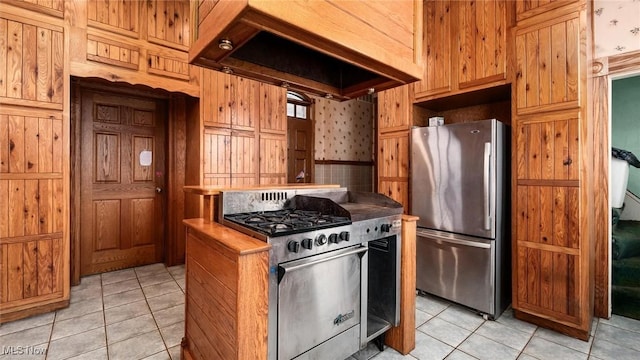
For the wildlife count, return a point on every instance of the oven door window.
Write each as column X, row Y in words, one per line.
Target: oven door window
column 318, row 298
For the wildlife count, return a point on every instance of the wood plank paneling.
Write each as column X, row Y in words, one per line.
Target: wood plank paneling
column 45, row 267
column 226, row 295
column 393, row 155
column 437, row 38
column 394, row 109
column 111, row 52
column 273, row 159
column 4, row 33
column 117, row 16
column 547, row 64
column 172, row 67
column 273, row 109
column 45, row 206
column 169, row 23
column 32, row 61
column 548, row 150
column 14, row 274
column 243, row 159
column 481, row 41
column 30, row 269
column 547, row 215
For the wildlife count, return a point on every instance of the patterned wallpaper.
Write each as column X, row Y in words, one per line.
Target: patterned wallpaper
column 616, row 26
column 344, row 130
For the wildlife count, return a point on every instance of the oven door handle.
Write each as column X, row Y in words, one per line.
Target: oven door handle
column 296, row 265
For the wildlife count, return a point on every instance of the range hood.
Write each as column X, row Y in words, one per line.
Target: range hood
column 339, row 49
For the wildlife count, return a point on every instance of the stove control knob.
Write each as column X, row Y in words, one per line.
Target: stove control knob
column 344, row 236
column 385, row 227
column 293, row 246
column 333, row 238
column 307, row 243
column 321, row 239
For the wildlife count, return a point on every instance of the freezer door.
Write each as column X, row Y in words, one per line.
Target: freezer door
column 457, row 268
column 453, row 177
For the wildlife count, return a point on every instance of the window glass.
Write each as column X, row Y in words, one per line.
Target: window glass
column 301, row 112
column 297, row 106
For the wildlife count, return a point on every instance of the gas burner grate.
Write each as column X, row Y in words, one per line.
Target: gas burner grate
column 287, row 221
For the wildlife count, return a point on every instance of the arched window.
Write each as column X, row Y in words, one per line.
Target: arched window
column 298, row 106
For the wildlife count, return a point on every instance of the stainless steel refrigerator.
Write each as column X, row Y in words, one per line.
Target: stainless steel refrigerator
column 460, row 191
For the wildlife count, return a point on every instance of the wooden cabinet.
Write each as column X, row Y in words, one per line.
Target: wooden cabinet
column 34, row 238
column 438, row 48
column 465, row 46
column 140, row 42
column 481, row 42
column 553, row 231
column 341, row 48
column 395, row 118
column 226, row 295
column 529, row 8
column 547, row 64
column 244, row 136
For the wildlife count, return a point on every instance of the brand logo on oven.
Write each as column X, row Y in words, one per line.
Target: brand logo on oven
column 343, row 317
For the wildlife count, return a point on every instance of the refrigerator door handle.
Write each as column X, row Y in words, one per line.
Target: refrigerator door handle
column 447, row 239
column 486, row 186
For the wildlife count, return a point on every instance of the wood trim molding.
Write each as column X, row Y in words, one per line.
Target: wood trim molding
column 604, row 69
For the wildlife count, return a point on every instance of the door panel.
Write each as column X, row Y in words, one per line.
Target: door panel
column 449, row 163
column 300, row 150
column 122, row 165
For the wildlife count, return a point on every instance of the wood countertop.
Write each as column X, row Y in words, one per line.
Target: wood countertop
column 235, row 241
column 215, row 190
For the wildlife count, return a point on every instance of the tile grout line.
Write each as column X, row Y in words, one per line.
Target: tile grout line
column 104, row 318
column 166, row 349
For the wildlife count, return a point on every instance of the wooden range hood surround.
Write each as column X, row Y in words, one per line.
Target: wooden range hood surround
column 338, row 47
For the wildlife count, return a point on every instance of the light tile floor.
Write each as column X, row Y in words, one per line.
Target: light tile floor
column 132, row 314
column 139, row 314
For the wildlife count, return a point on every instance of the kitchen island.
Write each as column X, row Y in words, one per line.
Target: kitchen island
column 201, row 340
column 227, row 293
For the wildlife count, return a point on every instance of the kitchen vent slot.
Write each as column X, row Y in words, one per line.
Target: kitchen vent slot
column 273, row 196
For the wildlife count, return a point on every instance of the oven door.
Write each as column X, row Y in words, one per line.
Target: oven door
column 319, row 298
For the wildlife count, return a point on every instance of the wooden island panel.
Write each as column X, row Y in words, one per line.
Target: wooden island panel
column 226, row 293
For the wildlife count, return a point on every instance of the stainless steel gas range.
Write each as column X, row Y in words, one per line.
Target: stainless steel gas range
column 333, row 267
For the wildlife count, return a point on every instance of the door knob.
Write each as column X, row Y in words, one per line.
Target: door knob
column 158, row 190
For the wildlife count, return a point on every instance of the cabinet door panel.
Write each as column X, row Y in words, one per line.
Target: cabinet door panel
column 546, row 283
column 394, row 109
column 547, row 215
column 547, row 65
column 481, row 42
column 437, row 44
column 217, row 157
column 397, row 190
column 548, row 150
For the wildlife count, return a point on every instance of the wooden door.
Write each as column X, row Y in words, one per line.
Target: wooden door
column 437, row 49
column 299, row 151
column 122, row 179
column 553, row 212
column 481, row 42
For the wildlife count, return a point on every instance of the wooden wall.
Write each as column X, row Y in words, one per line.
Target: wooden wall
column 45, row 43
column 34, row 161
column 137, row 42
